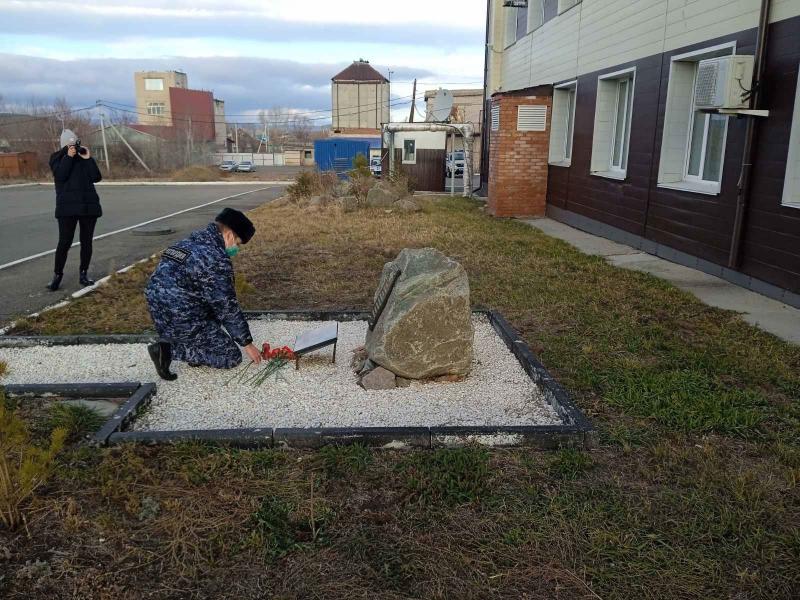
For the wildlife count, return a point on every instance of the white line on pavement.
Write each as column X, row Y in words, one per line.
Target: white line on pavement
column 110, row 233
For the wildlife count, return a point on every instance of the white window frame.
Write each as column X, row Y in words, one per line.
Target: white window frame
column 604, row 141
column 561, row 142
column 565, row 5
column 154, row 89
column 151, row 106
column 791, row 180
column 410, row 161
column 671, row 154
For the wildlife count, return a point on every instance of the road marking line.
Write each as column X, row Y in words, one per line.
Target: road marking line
column 124, row 229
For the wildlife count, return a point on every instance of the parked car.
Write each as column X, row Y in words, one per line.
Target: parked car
column 375, row 167
column 245, row 166
column 227, row 165
column 455, row 162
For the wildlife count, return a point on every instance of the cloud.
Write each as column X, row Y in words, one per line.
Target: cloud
column 246, row 85
column 434, row 24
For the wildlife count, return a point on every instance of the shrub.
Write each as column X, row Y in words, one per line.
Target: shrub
column 23, row 466
column 312, row 183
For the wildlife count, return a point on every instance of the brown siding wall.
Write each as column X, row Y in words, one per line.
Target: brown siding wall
column 698, row 224
column 427, row 175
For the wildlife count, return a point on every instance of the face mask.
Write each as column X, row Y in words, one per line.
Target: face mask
column 232, row 251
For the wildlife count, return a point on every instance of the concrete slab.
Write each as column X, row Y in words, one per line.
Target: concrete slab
column 770, row 315
column 585, row 242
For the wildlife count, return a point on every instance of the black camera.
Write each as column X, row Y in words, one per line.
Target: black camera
column 78, row 148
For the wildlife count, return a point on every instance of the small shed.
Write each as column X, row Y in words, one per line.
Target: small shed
column 18, row 164
column 337, row 154
column 421, row 155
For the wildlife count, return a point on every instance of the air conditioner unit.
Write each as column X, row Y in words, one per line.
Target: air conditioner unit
column 723, row 82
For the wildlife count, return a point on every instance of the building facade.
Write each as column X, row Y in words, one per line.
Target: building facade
column 360, row 100
column 627, row 118
column 467, row 108
column 153, row 101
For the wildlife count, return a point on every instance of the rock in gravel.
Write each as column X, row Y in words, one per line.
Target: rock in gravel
column 378, row 379
column 348, row 203
column 425, row 329
column 406, row 205
column 381, row 196
column 358, row 359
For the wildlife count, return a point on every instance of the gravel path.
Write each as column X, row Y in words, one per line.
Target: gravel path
column 320, row 394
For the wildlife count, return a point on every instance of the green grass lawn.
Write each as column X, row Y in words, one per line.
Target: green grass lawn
column 692, row 492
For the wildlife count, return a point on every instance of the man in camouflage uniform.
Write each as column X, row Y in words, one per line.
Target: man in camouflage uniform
column 191, row 297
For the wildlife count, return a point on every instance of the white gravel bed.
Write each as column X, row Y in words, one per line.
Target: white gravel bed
column 320, row 394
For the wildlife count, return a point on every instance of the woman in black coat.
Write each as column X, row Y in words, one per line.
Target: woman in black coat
column 75, row 172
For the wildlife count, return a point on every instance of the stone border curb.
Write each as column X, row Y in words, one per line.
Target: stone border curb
column 138, row 397
column 576, row 431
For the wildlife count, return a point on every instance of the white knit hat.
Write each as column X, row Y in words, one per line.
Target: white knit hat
column 68, row 138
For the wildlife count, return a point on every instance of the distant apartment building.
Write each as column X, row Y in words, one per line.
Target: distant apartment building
column 630, row 119
column 360, row 100
column 467, row 108
column 153, row 101
column 164, row 100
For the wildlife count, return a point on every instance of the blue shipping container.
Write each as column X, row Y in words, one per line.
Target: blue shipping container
column 337, row 154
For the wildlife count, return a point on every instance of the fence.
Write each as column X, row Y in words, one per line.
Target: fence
column 293, row 158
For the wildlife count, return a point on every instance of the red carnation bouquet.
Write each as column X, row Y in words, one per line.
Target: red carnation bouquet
column 275, row 359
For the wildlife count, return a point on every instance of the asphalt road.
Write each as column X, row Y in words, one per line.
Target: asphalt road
column 28, row 228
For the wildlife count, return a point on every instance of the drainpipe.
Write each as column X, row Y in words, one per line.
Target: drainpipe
column 743, row 185
column 484, row 122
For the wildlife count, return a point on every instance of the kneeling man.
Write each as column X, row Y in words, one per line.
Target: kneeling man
column 191, row 297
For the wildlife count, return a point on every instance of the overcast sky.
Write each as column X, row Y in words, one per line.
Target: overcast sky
column 254, row 54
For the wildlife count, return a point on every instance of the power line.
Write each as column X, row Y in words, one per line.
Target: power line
column 58, row 114
column 290, row 114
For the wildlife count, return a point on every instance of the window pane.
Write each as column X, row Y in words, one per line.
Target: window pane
column 154, row 85
column 696, row 144
column 619, row 123
column 522, row 22
column 712, row 166
column 408, row 150
column 570, row 123
column 628, row 118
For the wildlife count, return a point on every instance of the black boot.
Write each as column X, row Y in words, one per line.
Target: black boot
column 56, row 283
column 161, row 355
column 84, row 278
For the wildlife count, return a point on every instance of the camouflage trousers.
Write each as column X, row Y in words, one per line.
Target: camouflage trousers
column 206, row 344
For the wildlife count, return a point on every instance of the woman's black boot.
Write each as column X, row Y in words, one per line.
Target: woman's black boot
column 84, row 279
column 56, row 283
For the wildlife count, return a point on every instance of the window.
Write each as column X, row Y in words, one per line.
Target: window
column 564, row 5
column 562, row 124
column 409, row 152
column 535, row 14
column 516, row 24
column 693, row 141
column 612, row 124
column 154, row 85
column 791, row 182
column 307, row 154
column 155, row 108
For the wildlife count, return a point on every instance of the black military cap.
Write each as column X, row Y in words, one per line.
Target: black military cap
column 238, row 222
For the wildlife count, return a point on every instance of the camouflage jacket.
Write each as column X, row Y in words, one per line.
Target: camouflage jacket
column 194, row 282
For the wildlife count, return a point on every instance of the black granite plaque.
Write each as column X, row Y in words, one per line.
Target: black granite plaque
column 385, row 288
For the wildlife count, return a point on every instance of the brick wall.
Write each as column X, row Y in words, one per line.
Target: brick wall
column 518, row 161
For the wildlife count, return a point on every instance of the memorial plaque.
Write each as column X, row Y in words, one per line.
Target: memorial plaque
column 316, row 339
column 382, row 295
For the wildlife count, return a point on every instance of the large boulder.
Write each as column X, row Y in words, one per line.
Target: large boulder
column 425, row 330
column 381, row 196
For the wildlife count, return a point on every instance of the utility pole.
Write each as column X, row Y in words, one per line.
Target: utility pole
column 105, row 146
column 236, row 130
column 413, row 101
column 191, row 141
column 129, row 146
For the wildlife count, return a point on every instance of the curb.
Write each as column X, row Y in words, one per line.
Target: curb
column 576, row 431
